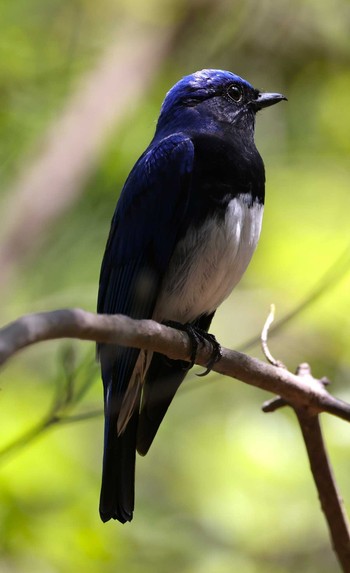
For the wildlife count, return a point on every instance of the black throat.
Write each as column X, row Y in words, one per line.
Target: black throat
column 225, row 169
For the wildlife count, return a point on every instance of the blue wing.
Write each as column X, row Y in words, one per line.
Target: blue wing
column 150, row 217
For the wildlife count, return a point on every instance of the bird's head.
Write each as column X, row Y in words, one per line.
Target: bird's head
column 213, row 100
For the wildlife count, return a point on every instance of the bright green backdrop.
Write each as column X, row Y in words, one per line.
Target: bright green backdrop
column 224, row 488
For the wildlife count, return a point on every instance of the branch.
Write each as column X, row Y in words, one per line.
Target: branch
column 149, row 335
column 330, row 499
column 304, row 393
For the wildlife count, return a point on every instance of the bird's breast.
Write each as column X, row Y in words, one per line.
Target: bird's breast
column 209, row 261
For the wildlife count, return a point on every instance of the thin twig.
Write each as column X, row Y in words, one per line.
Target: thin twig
column 70, row 386
column 264, row 337
column 277, row 402
column 273, row 404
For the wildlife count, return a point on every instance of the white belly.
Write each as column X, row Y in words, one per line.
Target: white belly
column 209, row 262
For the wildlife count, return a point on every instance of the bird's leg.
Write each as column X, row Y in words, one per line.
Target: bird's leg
column 197, row 336
column 195, row 339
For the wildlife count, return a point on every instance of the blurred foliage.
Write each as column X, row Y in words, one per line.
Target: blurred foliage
column 224, row 488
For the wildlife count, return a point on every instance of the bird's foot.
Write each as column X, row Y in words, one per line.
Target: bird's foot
column 193, row 336
column 216, row 350
column 198, row 336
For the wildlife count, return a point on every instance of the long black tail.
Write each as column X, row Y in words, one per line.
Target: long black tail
column 118, row 476
column 118, row 473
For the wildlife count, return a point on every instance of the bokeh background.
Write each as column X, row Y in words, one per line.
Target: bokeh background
column 224, row 487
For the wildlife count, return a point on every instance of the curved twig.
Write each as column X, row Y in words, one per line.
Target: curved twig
column 264, row 337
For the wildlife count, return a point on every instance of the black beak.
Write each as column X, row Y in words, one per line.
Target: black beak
column 266, row 99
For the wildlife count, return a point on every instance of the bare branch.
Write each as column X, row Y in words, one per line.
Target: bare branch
column 147, row 334
column 304, row 393
column 330, row 499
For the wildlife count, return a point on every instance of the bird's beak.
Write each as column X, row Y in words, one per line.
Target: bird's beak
column 266, row 99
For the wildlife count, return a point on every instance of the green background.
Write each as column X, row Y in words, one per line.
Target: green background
column 224, row 487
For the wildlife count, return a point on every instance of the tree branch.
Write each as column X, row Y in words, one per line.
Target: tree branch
column 330, row 499
column 301, row 391
column 149, row 335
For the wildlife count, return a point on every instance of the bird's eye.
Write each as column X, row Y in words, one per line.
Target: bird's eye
column 234, row 92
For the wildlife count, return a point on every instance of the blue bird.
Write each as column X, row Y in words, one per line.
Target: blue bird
column 184, row 230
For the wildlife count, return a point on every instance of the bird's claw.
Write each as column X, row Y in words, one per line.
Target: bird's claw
column 216, row 352
column 197, row 336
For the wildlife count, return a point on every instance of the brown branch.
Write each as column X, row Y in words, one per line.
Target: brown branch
column 330, row 499
column 304, row 393
column 147, row 334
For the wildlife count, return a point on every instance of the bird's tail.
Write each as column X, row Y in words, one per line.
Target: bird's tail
column 118, row 474
column 162, row 381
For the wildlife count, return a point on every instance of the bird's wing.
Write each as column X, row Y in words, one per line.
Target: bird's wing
column 149, row 219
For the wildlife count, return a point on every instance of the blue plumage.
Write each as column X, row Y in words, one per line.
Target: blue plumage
column 184, row 230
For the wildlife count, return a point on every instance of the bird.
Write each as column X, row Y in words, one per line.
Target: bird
column 184, row 230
